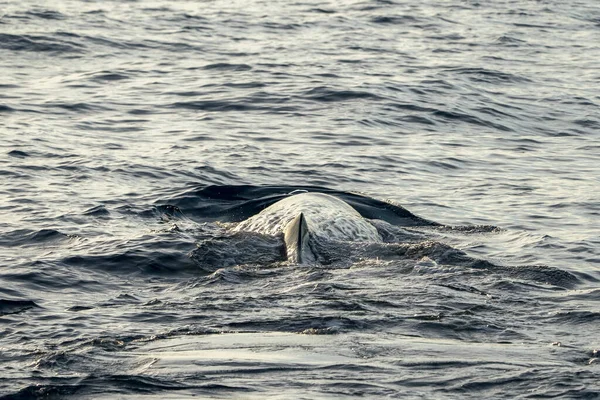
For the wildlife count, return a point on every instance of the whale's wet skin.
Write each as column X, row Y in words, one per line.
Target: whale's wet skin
column 306, row 219
column 326, row 216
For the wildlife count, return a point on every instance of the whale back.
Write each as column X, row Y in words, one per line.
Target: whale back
column 312, row 216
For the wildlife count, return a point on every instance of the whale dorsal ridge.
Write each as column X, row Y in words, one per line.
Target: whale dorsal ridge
column 296, row 236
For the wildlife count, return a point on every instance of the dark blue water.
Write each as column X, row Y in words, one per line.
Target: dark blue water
column 136, row 134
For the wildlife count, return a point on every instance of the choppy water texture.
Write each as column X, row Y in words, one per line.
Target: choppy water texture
column 136, row 134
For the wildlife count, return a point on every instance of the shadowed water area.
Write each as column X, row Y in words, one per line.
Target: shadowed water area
column 137, row 135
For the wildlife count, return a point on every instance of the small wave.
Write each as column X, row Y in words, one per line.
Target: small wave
column 161, row 253
column 238, row 249
column 5, row 108
column 98, row 211
column 544, row 27
column 46, row 14
column 178, row 47
column 228, row 67
column 510, row 41
column 322, row 11
column 468, row 229
column 15, row 306
column 576, row 317
column 281, row 26
column 325, row 94
column 133, row 261
column 245, row 85
column 494, row 112
column 92, row 385
column 39, row 391
column 109, row 76
column 417, row 119
column 470, row 119
column 217, row 105
column 258, row 101
column 18, row 154
column 530, row 274
column 22, row 237
column 76, row 107
column 80, row 308
column 116, row 44
column 394, row 20
column 328, row 324
column 161, row 9
column 588, row 123
column 38, row 44
column 489, row 76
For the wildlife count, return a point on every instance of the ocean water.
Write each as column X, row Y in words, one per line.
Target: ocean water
column 136, row 134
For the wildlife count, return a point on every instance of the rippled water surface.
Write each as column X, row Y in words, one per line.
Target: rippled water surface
column 136, row 135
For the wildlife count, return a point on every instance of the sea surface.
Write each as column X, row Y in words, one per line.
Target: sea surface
column 137, row 134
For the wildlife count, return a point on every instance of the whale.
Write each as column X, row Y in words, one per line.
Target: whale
column 309, row 217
